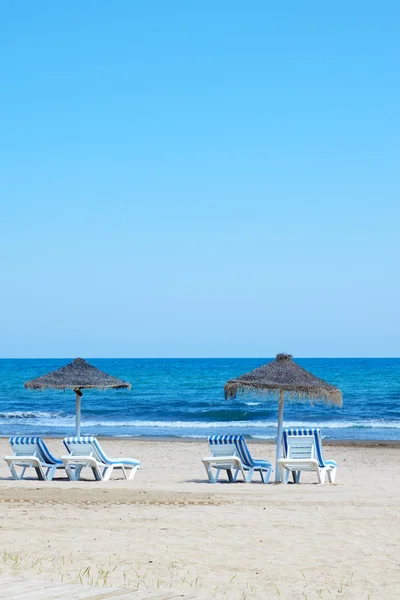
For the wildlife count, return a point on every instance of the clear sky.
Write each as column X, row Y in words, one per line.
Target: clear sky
column 199, row 179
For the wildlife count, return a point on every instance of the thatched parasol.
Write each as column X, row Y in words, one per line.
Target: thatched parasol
column 285, row 377
column 78, row 375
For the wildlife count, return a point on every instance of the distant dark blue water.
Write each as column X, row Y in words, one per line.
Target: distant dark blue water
column 185, row 397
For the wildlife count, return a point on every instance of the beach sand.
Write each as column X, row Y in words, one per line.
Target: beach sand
column 170, row 528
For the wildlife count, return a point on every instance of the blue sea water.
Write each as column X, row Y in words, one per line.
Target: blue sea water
column 185, row 398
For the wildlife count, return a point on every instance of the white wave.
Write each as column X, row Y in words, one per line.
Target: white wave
column 60, row 420
column 29, row 415
column 253, row 403
column 244, row 424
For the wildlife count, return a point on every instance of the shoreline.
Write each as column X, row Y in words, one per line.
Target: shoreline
column 268, row 441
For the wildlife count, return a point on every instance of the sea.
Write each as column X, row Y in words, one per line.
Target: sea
column 185, row 398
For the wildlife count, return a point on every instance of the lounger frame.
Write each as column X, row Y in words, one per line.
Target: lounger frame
column 230, row 453
column 86, row 453
column 303, row 452
column 32, row 453
column 224, row 458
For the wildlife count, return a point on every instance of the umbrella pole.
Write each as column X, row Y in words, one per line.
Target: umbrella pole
column 78, row 395
column 279, row 435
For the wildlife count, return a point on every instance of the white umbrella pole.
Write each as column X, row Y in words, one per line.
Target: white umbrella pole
column 279, row 435
column 78, row 395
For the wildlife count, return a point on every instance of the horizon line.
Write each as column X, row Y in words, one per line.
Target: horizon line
column 196, row 357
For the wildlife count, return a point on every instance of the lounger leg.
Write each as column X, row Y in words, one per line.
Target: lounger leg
column 209, row 472
column 23, row 472
column 230, row 475
column 270, row 471
column 235, row 475
column 249, row 476
column 50, row 472
column 213, row 478
column 73, row 471
column 98, row 475
column 332, row 475
column 66, row 472
column 284, row 474
column 107, row 472
column 132, row 472
column 72, row 474
column 40, row 474
column 265, row 475
column 14, row 471
column 296, row 476
column 321, row 476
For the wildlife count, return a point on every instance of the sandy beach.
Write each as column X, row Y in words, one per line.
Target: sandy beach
column 169, row 528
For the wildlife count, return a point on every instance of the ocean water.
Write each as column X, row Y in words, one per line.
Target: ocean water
column 185, row 398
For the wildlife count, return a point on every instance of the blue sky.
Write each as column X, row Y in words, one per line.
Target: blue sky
column 189, row 179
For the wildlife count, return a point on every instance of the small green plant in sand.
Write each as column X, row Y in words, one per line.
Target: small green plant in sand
column 140, row 575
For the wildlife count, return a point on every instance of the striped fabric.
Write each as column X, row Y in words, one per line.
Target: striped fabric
column 315, row 433
column 97, row 451
column 35, row 444
column 241, row 447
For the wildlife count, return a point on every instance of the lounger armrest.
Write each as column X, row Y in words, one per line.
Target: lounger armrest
column 222, row 462
column 298, row 460
column 222, row 458
column 286, row 462
column 16, row 457
column 129, row 464
column 75, row 459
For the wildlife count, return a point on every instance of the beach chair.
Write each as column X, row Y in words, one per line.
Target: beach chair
column 303, row 452
column 32, row 452
column 86, row 452
column 230, row 453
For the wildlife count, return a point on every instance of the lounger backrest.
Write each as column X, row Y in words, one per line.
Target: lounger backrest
column 303, row 444
column 224, row 450
column 23, row 446
column 33, row 446
column 86, row 446
column 237, row 442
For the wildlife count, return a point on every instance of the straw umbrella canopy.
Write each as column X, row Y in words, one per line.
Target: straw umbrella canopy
column 284, row 377
column 77, row 375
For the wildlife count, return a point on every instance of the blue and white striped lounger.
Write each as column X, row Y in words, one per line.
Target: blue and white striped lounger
column 86, row 452
column 231, row 454
column 32, row 452
column 303, row 452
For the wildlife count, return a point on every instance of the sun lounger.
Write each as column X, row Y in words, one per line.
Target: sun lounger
column 230, row 453
column 86, row 452
column 32, row 452
column 303, row 452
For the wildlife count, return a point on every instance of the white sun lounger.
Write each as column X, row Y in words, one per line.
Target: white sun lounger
column 32, row 452
column 303, row 452
column 230, row 453
column 86, row 452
